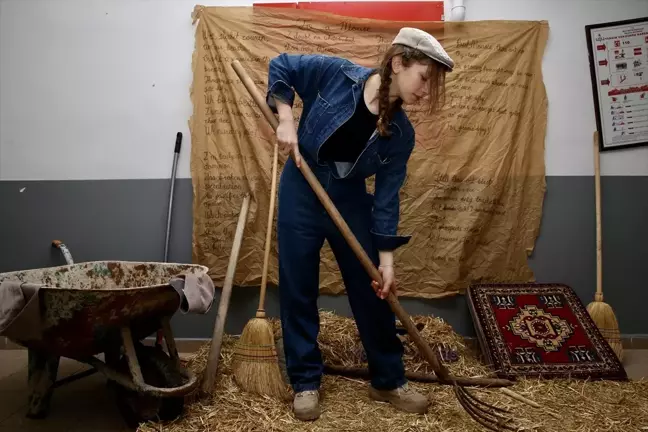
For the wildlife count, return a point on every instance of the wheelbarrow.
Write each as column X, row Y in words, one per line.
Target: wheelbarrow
column 80, row 311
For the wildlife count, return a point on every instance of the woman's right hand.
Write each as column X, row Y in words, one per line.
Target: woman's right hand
column 286, row 131
column 287, row 137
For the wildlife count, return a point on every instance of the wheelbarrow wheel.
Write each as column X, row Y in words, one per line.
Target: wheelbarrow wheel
column 159, row 370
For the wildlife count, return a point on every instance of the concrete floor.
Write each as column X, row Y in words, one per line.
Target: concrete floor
column 86, row 405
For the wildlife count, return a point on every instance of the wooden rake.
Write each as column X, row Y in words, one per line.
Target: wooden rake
column 489, row 416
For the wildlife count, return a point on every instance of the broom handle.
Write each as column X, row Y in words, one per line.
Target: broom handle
column 441, row 371
column 599, row 249
column 266, row 258
column 273, row 189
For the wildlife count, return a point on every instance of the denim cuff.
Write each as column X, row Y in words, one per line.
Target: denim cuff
column 280, row 90
column 385, row 242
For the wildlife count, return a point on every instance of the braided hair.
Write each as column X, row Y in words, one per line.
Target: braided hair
column 436, row 83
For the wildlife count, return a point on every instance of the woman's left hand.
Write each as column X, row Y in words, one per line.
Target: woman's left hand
column 389, row 282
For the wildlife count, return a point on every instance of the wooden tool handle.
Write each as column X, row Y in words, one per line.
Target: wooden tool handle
column 266, row 258
column 517, row 396
column 217, row 338
column 441, row 371
column 357, row 372
column 599, row 249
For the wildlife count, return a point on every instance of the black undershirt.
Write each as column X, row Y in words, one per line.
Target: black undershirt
column 348, row 141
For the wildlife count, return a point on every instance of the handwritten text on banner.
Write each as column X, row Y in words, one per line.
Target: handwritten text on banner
column 473, row 196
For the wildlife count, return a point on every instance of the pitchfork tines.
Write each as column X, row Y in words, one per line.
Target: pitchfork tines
column 487, row 415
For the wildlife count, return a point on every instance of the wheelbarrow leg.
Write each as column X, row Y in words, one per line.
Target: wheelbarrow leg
column 131, row 353
column 41, row 375
column 170, row 341
column 156, row 385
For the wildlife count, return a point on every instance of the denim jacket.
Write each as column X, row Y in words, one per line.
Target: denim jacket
column 330, row 88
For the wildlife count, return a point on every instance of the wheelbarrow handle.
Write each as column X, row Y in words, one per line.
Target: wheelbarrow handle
column 64, row 249
column 138, row 385
column 136, row 372
column 441, row 371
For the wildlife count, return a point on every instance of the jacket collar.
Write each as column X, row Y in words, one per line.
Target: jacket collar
column 356, row 72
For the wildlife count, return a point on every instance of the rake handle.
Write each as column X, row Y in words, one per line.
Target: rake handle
column 209, row 377
column 441, row 371
column 357, row 372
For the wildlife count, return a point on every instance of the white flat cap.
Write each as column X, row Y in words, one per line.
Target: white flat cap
column 424, row 42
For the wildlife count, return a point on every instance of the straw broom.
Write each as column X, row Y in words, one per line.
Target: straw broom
column 256, row 364
column 601, row 312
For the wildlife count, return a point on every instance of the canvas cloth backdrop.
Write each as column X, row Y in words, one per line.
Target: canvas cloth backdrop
column 473, row 195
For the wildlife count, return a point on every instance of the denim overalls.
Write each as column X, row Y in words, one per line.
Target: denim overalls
column 330, row 88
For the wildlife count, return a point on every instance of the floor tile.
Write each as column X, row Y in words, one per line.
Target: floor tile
column 11, row 361
column 636, row 363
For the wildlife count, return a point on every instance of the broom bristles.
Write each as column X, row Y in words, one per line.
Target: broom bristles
column 256, row 364
column 606, row 321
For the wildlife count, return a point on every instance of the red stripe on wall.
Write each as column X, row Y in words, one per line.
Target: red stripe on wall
column 389, row 10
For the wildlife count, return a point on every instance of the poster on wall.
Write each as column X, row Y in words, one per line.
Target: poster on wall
column 618, row 56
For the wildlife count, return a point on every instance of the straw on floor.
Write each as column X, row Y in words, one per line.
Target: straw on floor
column 579, row 405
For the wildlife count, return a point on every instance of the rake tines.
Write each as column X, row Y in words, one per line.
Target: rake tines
column 485, row 414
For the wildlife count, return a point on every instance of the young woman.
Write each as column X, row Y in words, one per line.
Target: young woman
column 352, row 127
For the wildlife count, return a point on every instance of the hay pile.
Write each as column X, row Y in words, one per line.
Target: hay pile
column 583, row 406
column 340, row 344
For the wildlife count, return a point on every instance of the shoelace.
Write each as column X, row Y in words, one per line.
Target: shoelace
column 306, row 393
column 405, row 389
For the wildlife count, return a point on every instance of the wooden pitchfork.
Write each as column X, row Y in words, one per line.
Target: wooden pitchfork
column 487, row 415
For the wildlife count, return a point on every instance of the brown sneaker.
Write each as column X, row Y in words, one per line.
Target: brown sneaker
column 404, row 398
column 306, row 405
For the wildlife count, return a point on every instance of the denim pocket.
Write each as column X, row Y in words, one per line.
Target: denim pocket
column 317, row 111
column 370, row 163
column 383, row 161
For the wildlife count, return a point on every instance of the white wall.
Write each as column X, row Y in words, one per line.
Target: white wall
column 97, row 89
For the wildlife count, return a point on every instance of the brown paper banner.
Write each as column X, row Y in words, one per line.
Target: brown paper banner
column 473, row 196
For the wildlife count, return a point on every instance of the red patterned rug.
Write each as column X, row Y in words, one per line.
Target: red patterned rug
column 540, row 330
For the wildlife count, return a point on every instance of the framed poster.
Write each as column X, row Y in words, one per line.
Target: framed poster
column 618, row 58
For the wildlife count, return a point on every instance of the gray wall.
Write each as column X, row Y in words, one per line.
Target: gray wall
column 126, row 219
